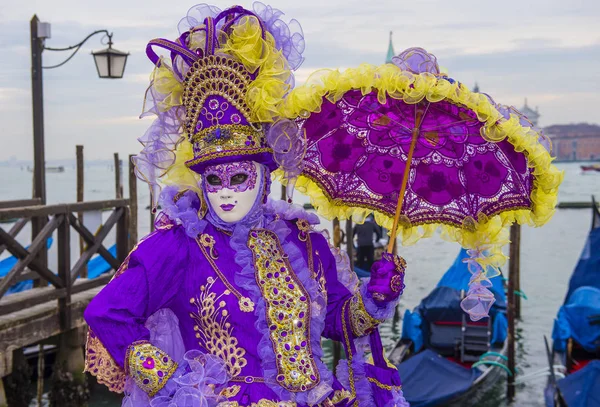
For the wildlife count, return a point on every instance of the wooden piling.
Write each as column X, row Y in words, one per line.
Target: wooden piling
column 152, row 214
column 350, row 242
column 80, row 184
column 133, row 205
column 513, row 272
column 40, row 373
column 517, row 254
column 337, row 240
column 3, row 400
column 118, row 178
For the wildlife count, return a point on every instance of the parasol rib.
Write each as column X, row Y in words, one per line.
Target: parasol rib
column 413, row 143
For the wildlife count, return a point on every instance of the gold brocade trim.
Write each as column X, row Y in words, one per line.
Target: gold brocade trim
column 228, row 153
column 98, row 362
column 348, row 350
column 225, row 137
column 230, row 391
column 287, row 312
column 361, row 321
column 383, row 386
column 213, row 331
column 261, row 403
column 149, row 366
column 238, row 133
column 102, row 366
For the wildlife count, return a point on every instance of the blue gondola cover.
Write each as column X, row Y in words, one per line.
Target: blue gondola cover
column 578, row 320
column 587, row 272
column 443, row 304
column 428, row 379
column 582, row 388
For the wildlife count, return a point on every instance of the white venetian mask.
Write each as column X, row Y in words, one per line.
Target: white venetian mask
column 232, row 188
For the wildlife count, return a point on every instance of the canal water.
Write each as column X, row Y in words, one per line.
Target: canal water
column 548, row 256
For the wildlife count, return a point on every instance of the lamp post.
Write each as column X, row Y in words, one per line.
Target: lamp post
column 110, row 63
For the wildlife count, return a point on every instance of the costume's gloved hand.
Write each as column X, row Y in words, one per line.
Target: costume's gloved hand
column 387, row 278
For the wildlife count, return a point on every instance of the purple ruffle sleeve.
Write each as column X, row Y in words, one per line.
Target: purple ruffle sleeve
column 150, row 281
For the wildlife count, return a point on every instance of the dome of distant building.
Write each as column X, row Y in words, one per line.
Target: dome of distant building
column 532, row 115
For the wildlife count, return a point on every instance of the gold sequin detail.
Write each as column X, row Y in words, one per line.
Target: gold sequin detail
column 361, row 321
column 230, row 391
column 288, row 312
column 149, row 366
column 213, row 331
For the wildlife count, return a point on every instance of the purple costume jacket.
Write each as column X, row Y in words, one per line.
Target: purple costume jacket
column 260, row 306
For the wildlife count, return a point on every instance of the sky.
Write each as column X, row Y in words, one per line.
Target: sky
column 546, row 51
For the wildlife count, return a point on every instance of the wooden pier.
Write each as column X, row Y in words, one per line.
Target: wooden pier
column 52, row 311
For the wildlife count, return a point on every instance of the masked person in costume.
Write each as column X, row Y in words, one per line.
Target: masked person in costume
column 225, row 304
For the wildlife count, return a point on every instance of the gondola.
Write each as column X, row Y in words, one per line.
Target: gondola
column 575, row 354
column 443, row 357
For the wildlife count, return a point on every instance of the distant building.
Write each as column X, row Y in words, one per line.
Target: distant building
column 532, row 115
column 390, row 52
column 476, row 88
column 575, row 142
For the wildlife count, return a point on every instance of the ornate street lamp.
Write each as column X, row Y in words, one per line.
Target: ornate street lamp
column 110, row 63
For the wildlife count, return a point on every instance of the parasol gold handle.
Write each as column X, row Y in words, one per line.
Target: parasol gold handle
column 413, row 143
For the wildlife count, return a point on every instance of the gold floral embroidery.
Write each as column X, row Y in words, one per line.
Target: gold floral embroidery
column 149, row 366
column 287, row 312
column 362, row 323
column 230, row 391
column 213, row 330
column 101, row 365
column 245, row 303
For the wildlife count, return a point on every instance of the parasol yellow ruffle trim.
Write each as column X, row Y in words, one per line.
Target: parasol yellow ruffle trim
column 389, row 81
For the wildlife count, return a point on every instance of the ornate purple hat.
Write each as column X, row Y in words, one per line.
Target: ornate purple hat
column 217, row 88
column 217, row 117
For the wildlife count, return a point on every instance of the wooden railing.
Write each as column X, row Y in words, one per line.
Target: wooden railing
column 63, row 282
